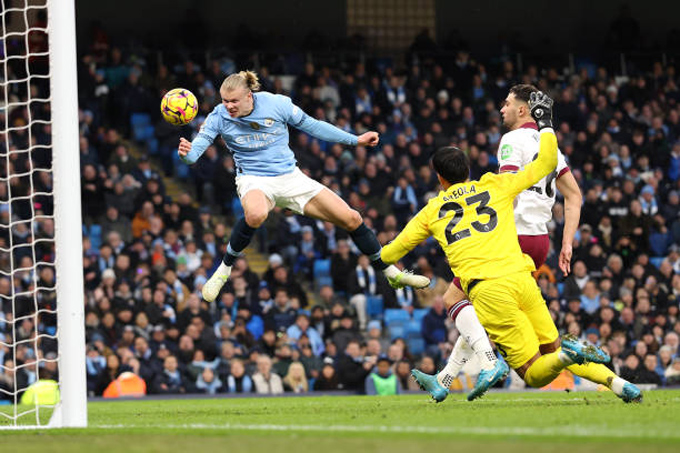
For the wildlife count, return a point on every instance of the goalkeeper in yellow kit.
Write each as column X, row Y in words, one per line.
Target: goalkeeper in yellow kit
column 473, row 221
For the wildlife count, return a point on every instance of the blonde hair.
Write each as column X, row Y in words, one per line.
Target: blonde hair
column 243, row 79
column 297, row 385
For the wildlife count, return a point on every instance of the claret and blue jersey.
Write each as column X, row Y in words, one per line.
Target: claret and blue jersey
column 259, row 141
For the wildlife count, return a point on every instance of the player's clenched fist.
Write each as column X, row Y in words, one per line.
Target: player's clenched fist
column 184, row 147
column 540, row 105
column 368, row 139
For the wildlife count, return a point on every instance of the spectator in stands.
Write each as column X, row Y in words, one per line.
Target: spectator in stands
column 208, row 382
column 238, row 381
column 266, row 382
column 402, row 370
column 328, row 379
column 404, row 202
column 309, row 251
column 282, row 315
column 574, row 284
column 149, row 366
column 302, row 327
column 590, row 297
column 382, row 381
column 672, row 373
column 295, row 380
column 364, row 282
column 352, row 369
column 648, row 374
column 170, row 379
column 345, row 331
column 343, row 262
column 433, row 327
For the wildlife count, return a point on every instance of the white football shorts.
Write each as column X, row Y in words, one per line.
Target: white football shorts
column 292, row 190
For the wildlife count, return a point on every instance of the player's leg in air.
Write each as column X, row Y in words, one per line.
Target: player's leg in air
column 308, row 197
column 328, row 206
column 256, row 207
column 472, row 340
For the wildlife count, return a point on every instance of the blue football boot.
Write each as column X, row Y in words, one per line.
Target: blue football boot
column 582, row 352
column 429, row 384
column 488, row 378
column 631, row 393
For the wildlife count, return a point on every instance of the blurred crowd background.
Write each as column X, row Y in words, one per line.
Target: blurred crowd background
column 315, row 316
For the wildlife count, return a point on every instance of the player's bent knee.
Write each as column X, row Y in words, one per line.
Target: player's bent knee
column 255, row 218
column 521, row 371
column 547, row 348
column 352, row 221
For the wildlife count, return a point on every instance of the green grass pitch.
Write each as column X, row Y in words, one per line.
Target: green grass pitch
column 500, row 422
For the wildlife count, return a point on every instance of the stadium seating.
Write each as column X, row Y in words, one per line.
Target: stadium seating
column 324, row 280
column 374, row 307
column 656, row 261
column 236, row 207
column 416, row 346
column 419, row 314
column 395, row 316
column 141, row 126
column 322, row 268
column 413, row 329
column 322, row 273
column 94, row 232
column 397, row 331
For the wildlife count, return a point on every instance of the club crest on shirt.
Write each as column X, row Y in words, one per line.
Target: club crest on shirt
column 268, row 122
column 254, row 125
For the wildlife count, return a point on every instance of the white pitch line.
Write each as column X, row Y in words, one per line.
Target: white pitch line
column 573, row 431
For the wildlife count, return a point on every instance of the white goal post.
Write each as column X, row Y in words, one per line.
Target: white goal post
column 33, row 33
column 72, row 411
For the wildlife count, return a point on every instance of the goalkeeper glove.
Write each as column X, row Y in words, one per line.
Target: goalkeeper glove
column 540, row 105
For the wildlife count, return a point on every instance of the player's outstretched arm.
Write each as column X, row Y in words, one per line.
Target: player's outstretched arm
column 189, row 152
column 326, row 131
column 568, row 187
column 415, row 232
column 541, row 110
column 296, row 117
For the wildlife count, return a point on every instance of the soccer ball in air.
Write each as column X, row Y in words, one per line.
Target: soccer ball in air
column 179, row 106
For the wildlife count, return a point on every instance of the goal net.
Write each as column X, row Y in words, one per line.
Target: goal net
column 42, row 344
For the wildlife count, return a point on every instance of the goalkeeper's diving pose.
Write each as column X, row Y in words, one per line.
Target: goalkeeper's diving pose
column 473, row 221
column 533, row 208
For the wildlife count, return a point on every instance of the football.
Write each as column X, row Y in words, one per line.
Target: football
column 179, row 106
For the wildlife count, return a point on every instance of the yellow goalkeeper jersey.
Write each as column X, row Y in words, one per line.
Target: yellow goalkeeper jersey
column 474, row 221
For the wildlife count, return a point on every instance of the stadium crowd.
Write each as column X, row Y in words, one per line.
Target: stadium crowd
column 310, row 321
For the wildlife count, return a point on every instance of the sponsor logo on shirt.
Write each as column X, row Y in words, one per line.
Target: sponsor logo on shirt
column 255, row 140
column 506, row 151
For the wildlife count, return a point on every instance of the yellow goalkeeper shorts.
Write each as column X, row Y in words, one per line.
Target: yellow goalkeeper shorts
column 515, row 316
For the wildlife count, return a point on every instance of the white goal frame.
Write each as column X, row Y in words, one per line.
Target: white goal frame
column 72, row 409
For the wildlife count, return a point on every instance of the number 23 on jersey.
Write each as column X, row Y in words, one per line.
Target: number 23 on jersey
column 486, row 221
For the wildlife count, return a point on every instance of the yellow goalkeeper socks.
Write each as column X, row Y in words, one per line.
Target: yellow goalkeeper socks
column 597, row 373
column 544, row 370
